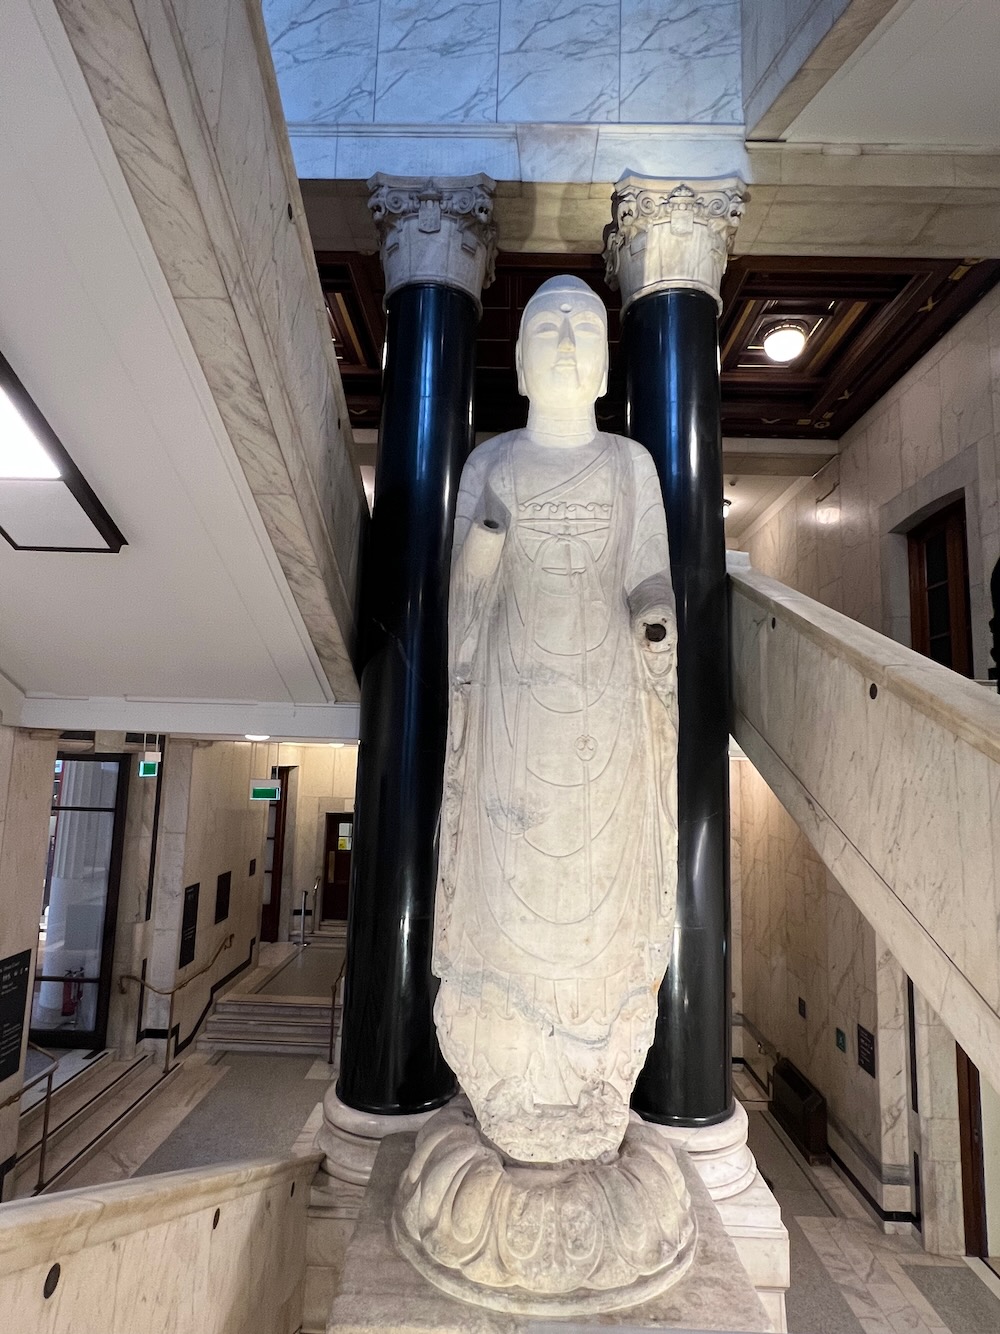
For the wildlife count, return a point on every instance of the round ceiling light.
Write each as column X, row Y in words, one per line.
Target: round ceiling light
column 256, row 736
column 784, row 342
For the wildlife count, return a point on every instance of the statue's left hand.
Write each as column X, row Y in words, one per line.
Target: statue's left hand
column 656, row 631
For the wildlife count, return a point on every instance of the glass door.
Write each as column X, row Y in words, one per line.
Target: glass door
column 77, row 929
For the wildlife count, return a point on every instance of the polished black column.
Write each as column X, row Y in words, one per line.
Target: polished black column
column 390, row 1060
column 672, row 368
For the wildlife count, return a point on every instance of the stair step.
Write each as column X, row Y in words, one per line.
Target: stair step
column 91, row 1076
column 84, row 1133
column 74, row 1103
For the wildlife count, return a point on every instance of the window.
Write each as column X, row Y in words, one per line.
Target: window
column 939, row 589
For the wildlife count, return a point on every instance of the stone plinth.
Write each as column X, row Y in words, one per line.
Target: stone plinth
column 381, row 1291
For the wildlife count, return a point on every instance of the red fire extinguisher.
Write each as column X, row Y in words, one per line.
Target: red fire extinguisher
column 72, row 993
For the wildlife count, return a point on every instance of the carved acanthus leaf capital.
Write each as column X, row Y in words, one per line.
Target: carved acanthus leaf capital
column 436, row 229
column 671, row 233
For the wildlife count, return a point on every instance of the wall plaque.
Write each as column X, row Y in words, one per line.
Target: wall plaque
column 866, row 1050
column 14, row 973
column 189, row 925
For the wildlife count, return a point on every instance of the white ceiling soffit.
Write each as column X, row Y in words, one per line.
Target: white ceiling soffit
column 196, row 607
column 926, row 75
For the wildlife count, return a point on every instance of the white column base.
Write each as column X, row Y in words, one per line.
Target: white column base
column 749, row 1212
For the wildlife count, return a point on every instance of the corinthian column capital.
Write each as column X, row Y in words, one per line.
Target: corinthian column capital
column 671, row 233
column 436, row 229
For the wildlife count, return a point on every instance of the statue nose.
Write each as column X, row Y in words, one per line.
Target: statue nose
column 567, row 342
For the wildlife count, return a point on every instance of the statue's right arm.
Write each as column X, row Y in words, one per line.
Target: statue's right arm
column 481, row 522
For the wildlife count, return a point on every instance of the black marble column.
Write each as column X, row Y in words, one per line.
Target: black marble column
column 437, row 243
column 667, row 248
column 672, row 387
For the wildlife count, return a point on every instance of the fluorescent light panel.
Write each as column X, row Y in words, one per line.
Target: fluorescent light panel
column 22, row 454
column 46, row 503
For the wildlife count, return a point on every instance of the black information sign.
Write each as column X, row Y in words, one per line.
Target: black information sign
column 223, row 887
column 189, row 925
column 14, row 973
column 866, row 1050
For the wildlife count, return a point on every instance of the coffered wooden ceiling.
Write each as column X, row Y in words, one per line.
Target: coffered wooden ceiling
column 870, row 320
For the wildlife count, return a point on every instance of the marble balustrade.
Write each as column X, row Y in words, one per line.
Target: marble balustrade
column 197, row 1252
column 890, row 765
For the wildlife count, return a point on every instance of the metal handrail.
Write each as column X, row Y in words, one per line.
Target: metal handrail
column 46, row 1106
column 172, row 991
column 333, row 1007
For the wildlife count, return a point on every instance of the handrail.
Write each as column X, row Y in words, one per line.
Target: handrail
column 46, row 1106
column 333, row 1006
column 172, row 991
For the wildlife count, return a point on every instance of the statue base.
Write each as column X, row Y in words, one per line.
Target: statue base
column 543, row 1238
column 380, row 1290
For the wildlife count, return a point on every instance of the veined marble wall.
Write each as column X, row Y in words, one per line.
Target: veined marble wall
column 26, row 765
column 778, row 36
column 395, row 62
column 803, row 938
column 208, row 825
column 935, row 434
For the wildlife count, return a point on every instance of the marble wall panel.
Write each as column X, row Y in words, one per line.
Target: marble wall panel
column 437, row 61
column 680, row 61
column 325, row 55
column 208, row 826
column 560, row 63
column 207, row 1251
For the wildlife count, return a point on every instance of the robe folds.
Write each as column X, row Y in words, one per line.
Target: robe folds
column 557, row 862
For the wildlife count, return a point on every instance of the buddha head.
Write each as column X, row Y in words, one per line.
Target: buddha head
column 562, row 349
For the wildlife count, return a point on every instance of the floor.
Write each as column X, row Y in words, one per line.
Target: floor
column 848, row 1276
column 311, row 971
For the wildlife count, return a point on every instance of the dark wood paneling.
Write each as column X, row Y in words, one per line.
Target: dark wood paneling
column 871, row 319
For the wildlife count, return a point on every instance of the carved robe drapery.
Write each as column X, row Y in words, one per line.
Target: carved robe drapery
column 557, row 868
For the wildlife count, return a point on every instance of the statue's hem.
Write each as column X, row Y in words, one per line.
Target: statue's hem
column 518, row 1301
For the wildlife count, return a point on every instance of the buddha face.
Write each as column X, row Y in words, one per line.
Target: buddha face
column 562, row 353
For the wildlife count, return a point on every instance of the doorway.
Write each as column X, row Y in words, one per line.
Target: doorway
column 274, row 858
column 940, row 620
column 76, row 936
column 337, row 850
column 970, row 1125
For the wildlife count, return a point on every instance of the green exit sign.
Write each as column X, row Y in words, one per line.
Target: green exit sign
column 265, row 791
column 149, row 768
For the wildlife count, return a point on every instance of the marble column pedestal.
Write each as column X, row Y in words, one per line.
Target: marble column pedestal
column 749, row 1212
column 381, row 1290
column 349, row 1141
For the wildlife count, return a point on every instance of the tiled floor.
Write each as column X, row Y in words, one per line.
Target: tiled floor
column 848, row 1276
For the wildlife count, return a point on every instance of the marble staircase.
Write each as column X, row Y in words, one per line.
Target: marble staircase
column 258, row 1023
column 85, row 1112
column 890, row 766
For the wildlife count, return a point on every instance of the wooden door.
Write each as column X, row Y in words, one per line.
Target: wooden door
column 970, row 1120
column 337, row 864
column 941, row 626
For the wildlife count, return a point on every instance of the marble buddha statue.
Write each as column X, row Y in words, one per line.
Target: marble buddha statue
column 557, row 866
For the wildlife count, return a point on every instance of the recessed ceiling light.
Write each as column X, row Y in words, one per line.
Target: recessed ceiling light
column 256, row 736
column 784, row 342
column 22, row 454
column 726, row 502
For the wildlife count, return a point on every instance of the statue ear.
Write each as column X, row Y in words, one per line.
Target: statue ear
column 520, row 370
column 604, row 378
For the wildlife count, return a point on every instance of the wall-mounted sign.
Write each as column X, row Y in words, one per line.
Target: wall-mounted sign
column 149, row 768
column 189, row 925
column 14, row 973
column 265, row 789
column 866, row 1050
